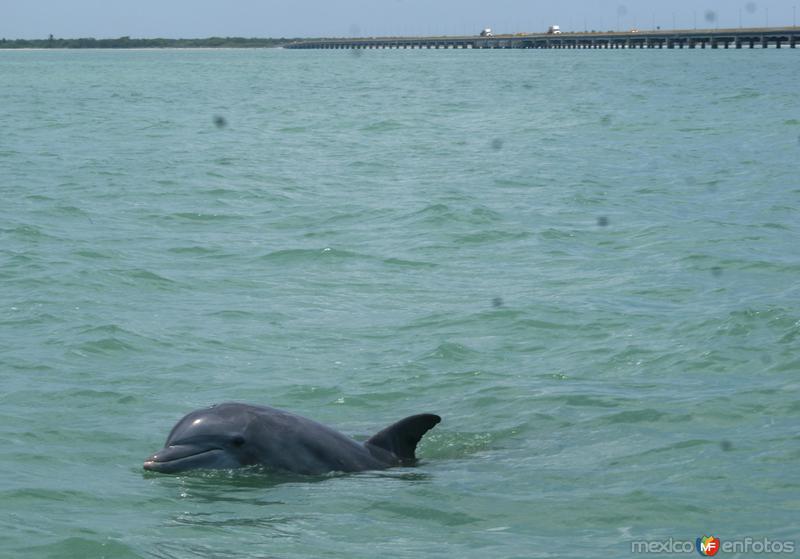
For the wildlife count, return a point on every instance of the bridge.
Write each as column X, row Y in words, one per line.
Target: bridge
column 776, row 37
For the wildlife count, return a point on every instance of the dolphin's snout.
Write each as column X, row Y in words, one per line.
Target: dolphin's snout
column 156, row 461
column 178, row 458
column 150, row 463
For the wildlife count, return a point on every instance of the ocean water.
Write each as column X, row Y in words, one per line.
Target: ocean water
column 588, row 263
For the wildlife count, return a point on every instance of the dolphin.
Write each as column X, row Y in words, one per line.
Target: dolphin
column 235, row 435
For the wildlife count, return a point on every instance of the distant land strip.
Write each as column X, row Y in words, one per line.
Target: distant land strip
column 129, row 43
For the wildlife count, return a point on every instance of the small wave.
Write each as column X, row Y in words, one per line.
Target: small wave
column 72, row 211
column 744, row 94
column 640, row 416
column 106, row 345
column 278, row 526
column 94, row 394
column 483, row 237
column 552, row 234
column 383, row 126
column 421, row 513
column 409, row 263
column 439, row 445
column 271, row 316
column 450, row 351
column 293, row 129
column 111, row 329
column 50, row 495
column 591, row 401
column 148, row 276
column 195, row 251
column 202, row 217
column 300, row 255
column 28, row 232
column 93, row 254
column 440, row 214
column 514, row 183
column 221, row 192
column 84, row 547
column 111, row 339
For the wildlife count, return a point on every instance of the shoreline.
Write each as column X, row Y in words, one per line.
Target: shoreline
column 128, row 43
column 130, row 49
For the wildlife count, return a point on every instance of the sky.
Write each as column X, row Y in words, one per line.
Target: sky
column 33, row 19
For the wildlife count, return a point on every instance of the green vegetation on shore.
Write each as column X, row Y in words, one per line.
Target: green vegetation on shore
column 128, row 43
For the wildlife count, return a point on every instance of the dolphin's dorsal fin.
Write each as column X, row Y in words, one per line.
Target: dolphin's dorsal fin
column 401, row 438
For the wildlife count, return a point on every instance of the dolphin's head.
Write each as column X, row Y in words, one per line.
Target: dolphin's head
column 215, row 438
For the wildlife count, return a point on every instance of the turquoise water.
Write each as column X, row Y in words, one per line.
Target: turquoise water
column 586, row 262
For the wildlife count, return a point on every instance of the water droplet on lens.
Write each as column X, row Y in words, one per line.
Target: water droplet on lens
column 220, row 122
column 497, row 144
column 602, row 221
column 497, row 302
column 725, row 445
column 751, row 7
column 711, row 16
column 716, row 271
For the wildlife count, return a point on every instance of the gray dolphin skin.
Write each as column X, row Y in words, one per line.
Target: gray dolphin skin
column 234, row 435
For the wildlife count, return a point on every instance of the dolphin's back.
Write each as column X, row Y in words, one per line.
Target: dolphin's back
column 286, row 441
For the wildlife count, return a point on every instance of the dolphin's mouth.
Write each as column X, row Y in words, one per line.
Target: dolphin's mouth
column 173, row 459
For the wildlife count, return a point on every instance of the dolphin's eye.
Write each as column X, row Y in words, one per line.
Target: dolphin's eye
column 238, row 441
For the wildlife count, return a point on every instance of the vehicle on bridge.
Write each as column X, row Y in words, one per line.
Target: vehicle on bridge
column 487, row 33
column 554, row 30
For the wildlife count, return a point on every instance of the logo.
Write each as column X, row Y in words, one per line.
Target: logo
column 707, row 546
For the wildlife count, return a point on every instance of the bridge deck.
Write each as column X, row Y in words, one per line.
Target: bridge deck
column 714, row 38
